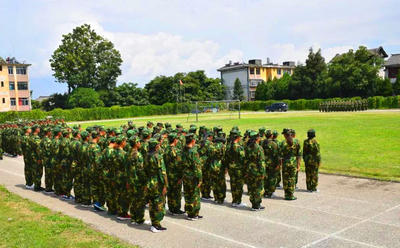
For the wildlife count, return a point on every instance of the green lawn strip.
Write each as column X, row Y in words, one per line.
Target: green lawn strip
column 26, row 224
column 362, row 144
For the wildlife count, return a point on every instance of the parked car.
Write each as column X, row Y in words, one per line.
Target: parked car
column 278, row 106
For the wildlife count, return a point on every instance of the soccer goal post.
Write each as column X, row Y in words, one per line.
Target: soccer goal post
column 225, row 109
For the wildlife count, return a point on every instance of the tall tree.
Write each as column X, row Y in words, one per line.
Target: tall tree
column 85, row 59
column 307, row 79
column 238, row 93
column 354, row 74
column 84, row 98
column 126, row 94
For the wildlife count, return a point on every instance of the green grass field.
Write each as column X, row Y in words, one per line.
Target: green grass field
column 360, row 144
column 27, row 224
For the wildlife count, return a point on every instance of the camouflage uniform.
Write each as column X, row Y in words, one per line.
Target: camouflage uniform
column 156, row 181
column 205, row 168
column 216, row 153
column 271, row 151
column 84, row 171
column 192, row 177
column 56, row 164
column 34, row 143
column 28, row 162
column 66, row 170
column 119, row 163
column 96, row 174
column 235, row 158
column 109, row 177
column 136, row 178
column 289, row 155
column 75, row 147
column 312, row 160
column 172, row 159
column 255, row 171
column 45, row 147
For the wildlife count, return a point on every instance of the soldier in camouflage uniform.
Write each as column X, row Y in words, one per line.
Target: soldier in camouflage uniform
column 28, row 162
column 157, row 184
column 34, row 144
column 46, row 155
column 172, row 159
column 205, row 169
column 255, row 171
column 56, row 161
column 312, row 160
column 234, row 157
column 271, row 151
column 217, row 169
column 290, row 155
column 84, row 171
column 136, row 180
column 66, row 161
column 75, row 147
column 119, row 164
column 109, row 176
column 192, row 178
column 96, row 176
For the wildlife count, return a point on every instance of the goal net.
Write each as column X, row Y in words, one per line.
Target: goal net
column 204, row 110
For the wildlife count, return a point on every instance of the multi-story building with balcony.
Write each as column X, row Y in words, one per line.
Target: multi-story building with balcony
column 14, row 86
column 251, row 75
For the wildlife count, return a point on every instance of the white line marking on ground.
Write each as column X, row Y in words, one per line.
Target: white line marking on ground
column 334, row 235
column 211, row 234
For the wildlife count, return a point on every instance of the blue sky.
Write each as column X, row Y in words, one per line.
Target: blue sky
column 164, row 37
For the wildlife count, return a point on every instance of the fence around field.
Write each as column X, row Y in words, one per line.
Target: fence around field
column 115, row 112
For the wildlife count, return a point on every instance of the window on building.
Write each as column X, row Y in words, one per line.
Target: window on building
column 2, row 84
column 12, row 85
column 4, row 100
column 21, row 70
column 251, row 70
column 279, row 72
column 252, row 94
column 258, row 71
column 13, row 102
column 22, row 85
column 23, row 101
column 10, row 70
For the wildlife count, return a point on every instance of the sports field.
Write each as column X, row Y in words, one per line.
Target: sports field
column 352, row 143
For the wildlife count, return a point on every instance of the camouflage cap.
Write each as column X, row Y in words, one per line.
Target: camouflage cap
column 179, row 126
column 95, row 134
column 119, row 139
column 159, row 124
column 235, row 133
column 75, row 132
column 25, row 128
column 292, row 131
column 275, row 133
column 150, row 123
column 189, row 137
column 167, row 124
column 184, row 130
column 112, row 139
column 130, row 133
column 146, row 132
column 101, row 128
column 157, row 136
column 193, row 129
column 84, row 134
column 253, row 134
column 118, row 131
column 261, row 130
column 193, row 126
column 286, row 131
column 134, row 140
column 89, row 129
column 268, row 132
column 65, row 132
column 209, row 133
column 153, row 143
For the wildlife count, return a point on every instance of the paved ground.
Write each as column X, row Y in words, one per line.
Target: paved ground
column 348, row 212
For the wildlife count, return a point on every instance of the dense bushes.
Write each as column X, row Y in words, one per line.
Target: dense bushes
column 101, row 113
column 375, row 102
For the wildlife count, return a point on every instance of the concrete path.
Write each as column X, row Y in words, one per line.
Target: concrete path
column 348, row 212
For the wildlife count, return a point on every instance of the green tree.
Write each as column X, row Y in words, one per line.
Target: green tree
column 354, row 74
column 307, row 79
column 384, row 88
column 238, row 93
column 126, row 94
column 35, row 104
column 396, row 85
column 84, row 98
column 85, row 59
column 55, row 101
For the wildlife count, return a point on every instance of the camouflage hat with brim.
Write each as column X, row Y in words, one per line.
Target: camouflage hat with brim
column 275, row 133
column 101, row 128
column 134, row 140
column 159, row 124
column 84, row 134
column 285, row 131
column 118, row 131
column 268, row 132
column 167, row 124
column 75, row 132
column 153, row 143
column 120, row 139
column 89, row 129
column 193, row 129
column 292, row 131
column 130, row 133
column 179, row 126
column 184, row 130
column 146, row 132
column 150, row 123
column 235, row 133
column 95, row 134
column 56, row 130
column 253, row 134
column 189, row 137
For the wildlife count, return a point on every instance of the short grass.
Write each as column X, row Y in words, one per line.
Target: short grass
column 27, row 224
column 360, row 144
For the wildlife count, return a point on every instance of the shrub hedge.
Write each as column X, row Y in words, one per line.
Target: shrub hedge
column 101, row 113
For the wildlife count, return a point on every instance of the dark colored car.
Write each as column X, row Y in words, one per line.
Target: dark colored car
column 278, row 106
